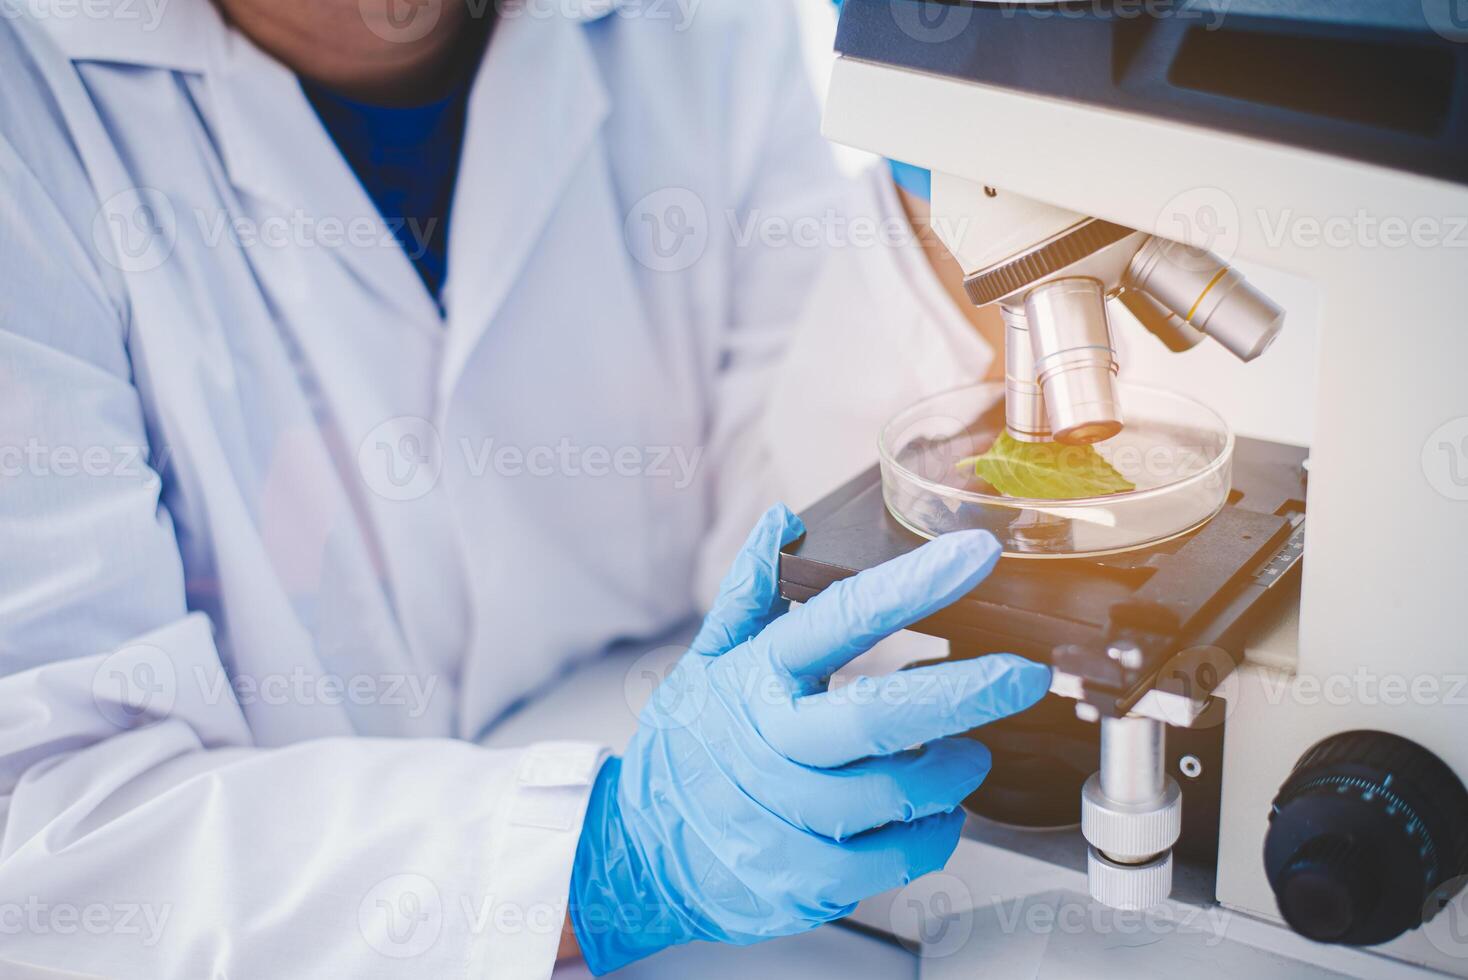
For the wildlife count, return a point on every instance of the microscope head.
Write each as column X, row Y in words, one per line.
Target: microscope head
column 1052, row 272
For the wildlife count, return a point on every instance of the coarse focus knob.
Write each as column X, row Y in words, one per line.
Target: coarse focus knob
column 1131, row 832
column 1364, row 829
column 1130, row 887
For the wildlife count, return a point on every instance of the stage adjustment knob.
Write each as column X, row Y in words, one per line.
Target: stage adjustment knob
column 1365, row 828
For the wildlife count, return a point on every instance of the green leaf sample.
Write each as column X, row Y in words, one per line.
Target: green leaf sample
column 1046, row 470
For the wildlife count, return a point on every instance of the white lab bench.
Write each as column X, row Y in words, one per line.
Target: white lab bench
column 1010, row 903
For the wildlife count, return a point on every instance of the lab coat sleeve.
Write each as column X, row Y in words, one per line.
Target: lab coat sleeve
column 144, row 833
column 837, row 318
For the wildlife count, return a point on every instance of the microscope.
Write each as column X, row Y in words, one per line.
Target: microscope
column 1088, row 161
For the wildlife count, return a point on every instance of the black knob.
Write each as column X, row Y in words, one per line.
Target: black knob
column 1364, row 829
column 1327, row 887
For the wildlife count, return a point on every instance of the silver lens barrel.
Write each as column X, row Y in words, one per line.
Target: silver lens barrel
column 1207, row 293
column 1178, row 334
column 1024, row 402
column 1074, row 360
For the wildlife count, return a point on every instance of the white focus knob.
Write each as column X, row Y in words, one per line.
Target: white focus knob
column 1131, row 832
column 1129, row 886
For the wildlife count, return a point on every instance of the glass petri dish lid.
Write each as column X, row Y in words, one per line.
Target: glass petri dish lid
column 1176, row 452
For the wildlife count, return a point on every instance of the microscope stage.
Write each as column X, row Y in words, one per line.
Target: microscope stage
column 1194, row 591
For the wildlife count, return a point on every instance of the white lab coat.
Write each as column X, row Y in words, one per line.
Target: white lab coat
column 277, row 542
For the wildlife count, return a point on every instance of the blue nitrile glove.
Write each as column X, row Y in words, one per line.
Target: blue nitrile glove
column 915, row 180
column 753, row 802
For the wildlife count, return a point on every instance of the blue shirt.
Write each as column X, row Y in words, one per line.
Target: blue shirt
column 407, row 159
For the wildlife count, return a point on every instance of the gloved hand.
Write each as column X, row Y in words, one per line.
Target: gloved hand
column 915, row 180
column 753, row 802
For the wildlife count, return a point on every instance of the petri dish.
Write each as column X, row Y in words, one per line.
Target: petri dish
column 1177, row 452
